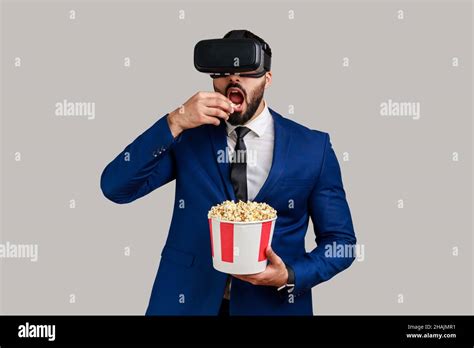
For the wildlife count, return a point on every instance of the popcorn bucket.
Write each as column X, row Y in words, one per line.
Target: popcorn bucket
column 239, row 247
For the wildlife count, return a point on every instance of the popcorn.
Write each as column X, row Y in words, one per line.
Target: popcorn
column 242, row 211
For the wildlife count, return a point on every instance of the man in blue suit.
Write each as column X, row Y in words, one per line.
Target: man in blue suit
column 293, row 168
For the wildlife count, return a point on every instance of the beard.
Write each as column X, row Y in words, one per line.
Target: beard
column 239, row 118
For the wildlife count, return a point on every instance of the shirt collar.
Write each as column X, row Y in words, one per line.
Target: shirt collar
column 257, row 125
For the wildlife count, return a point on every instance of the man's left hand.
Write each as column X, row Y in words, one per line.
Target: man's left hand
column 275, row 274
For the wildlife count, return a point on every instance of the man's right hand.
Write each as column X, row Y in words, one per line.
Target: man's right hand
column 201, row 108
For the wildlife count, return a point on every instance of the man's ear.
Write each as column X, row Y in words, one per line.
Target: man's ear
column 268, row 79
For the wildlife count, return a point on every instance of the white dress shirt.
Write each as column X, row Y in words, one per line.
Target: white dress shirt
column 259, row 143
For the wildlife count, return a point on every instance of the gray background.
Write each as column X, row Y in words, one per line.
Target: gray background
column 81, row 251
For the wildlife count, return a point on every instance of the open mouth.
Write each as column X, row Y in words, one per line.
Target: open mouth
column 236, row 96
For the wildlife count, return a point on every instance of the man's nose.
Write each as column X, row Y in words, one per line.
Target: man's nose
column 234, row 78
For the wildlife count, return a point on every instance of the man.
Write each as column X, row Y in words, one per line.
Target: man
column 295, row 170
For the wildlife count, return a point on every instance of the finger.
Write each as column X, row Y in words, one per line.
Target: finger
column 242, row 277
column 246, row 277
column 250, row 280
column 216, row 112
column 257, row 277
column 214, row 95
column 273, row 257
column 216, row 102
column 211, row 120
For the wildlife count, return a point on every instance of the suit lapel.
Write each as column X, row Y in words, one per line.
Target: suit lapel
column 218, row 137
column 280, row 156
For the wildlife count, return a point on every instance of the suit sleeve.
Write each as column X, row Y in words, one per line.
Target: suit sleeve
column 331, row 217
column 144, row 165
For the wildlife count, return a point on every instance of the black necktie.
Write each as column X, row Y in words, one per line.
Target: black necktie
column 238, row 168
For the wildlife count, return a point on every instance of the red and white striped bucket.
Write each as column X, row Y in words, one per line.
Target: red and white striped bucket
column 239, row 247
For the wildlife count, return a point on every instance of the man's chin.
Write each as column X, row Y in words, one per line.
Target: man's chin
column 235, row 119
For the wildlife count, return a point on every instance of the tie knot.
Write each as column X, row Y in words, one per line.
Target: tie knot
column 241, row 132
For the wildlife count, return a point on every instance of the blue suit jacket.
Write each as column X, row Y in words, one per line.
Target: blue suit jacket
column 304, row 182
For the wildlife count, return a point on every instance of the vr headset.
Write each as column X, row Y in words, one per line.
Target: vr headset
column 234, row 54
